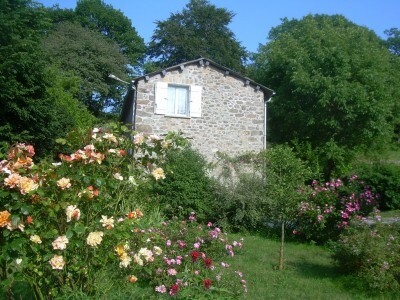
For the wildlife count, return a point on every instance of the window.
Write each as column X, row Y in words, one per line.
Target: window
column 178, row 100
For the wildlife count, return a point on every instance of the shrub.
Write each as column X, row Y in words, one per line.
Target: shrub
column 331, row 206
column 384, row 179
column 187, row 187
column 372, row 254
column 63, row 222
column 240, row 192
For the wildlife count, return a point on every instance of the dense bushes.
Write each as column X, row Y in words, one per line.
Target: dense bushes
column 384, row 179
column 372, row 254
column 63, row 222
column 187, row 188
column 332, row 206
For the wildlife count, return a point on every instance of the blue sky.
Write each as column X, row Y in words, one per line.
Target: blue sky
column 255, row 18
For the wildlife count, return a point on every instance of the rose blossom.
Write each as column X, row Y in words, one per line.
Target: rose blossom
column 36, row 239
column 72, row 212
column 60, row 243
column 64, row 183
column 57, row 262
column 94, row 238
column 158, row 173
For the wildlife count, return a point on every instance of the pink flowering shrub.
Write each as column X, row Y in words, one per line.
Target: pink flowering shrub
column 331, row 206
column 61, row 222
column 371, row 253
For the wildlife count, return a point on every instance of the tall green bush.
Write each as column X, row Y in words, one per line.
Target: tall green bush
column 384, row 179
column 372, row 254
column 187, row 188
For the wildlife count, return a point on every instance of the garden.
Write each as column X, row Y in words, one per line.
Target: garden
column 122, row 215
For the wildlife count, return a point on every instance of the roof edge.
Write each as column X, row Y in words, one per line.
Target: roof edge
column 207, row 62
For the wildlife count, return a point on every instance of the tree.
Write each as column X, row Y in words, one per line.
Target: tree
column 91, row 57
column 393, row 40
column 285, row 176
column 201, row 29
column 335, row 86
column 113, row 24
column 29, row 113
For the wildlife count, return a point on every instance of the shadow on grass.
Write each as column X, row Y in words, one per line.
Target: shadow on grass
column 315, row 270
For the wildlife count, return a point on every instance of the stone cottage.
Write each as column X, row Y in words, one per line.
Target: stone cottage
column 215, row 107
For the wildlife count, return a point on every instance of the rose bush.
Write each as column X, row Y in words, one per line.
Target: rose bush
column 331, row 206
column 61, row 222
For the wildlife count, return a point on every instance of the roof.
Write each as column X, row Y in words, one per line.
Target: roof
column 207, row 62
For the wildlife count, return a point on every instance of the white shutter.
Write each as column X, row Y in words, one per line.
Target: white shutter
column 195, row 101
column 161, row 100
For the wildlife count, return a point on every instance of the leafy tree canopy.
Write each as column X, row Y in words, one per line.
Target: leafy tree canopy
column 334, row 81
column 29, row 111
column 201, row 29
column 91, row 57
column 393, row 40
column 112, row 23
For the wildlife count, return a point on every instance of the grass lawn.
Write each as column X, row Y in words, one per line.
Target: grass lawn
column 309, row 273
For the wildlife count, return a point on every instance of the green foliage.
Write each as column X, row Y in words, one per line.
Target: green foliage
column 393, row 40
column 285, row 178
column 91, row 57
column 371, row 253
column 384, row 179
column 331, row 207
column 335, row 86
column 240, row 192
column 187, row 187
column 201, row 29
column 30, row 111
column 98, row 16
column 61, row 92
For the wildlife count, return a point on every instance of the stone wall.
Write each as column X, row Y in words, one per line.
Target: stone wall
column 232, row 119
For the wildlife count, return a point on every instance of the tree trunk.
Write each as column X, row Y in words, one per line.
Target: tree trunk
column 282, row 243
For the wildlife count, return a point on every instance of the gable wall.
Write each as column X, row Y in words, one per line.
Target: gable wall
column 232, row 119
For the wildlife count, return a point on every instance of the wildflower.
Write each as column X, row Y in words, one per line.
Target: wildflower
column 172, row 272
column 158, row 173
column 165, row 144
column 118, row 176
column 57, row 262
column 132, row 278
column 36, row 239
column 56, row 164
column 18, row 261
column 64, row 183
column 168, row 243
column 147, row 254
column 94, row 238
column 157, row 250
column 208, row 262
column 207, row 283
column 195, row 255
column 240, row 274
column 132, row 180
column 181, row 244
column 196, row 245
column 209, row 224
column 138, row 260
column 29, row 220
column 225, row 265
column 4, row 218
column 107, row 222
column 174, row 290
column 196, row 272
column 72, row 213
column 161, row 289
column 60, row 243
column 125, row 260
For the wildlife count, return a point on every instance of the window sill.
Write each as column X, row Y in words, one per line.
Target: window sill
column 177, row 116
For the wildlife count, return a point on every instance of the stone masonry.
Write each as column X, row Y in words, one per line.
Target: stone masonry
column 232, row 117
